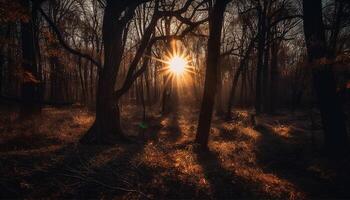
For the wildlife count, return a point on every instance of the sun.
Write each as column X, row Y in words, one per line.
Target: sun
column 177, row 65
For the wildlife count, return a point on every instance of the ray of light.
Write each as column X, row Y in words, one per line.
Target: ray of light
column 177, row 67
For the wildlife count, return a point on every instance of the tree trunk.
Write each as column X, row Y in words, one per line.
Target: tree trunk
column 106, row 128
column 219, row 103
column 333, row 118
column 30, row 97
column 155, row 85
column 244, row 88
column 233, row 91
column 242, row 63
column 80, row 74
column 273, row 76
column 259, row 68
column 36, row 33
column 265, row 73
column 143, row 100
column 166, row 95
column 147, row 83
column 215, row 25
column 1, row 69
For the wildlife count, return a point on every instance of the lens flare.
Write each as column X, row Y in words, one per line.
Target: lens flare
column 177, row 65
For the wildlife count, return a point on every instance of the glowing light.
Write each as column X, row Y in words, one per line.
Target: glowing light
column 177, row 65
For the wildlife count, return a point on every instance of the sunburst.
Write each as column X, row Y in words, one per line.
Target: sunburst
column 177, row 63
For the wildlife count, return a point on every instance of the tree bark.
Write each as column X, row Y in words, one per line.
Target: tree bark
column 30, row 87
column 107, row 128
column 333, row 118
column 259, row 67
column 219, row 103
column 273, row 77
column 265, row 71
column 215, row 25
column 1, row 68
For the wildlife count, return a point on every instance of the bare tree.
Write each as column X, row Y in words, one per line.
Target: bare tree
column 216, row 17
column 333, row 118
column 30, row 87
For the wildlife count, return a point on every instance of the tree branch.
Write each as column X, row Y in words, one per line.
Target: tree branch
column 64, row 44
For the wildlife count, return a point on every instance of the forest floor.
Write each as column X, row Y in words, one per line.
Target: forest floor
column 277, row 159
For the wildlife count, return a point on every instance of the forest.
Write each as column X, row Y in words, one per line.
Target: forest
column 174, row 99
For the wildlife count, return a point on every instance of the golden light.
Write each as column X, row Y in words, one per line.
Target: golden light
column 176, row 70
column 177, row 65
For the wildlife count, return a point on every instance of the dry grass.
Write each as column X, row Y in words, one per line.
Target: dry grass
column 55, row 126
column 42, row 159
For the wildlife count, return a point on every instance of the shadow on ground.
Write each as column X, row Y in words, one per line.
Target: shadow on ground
column 163, row 163
column 300, row 162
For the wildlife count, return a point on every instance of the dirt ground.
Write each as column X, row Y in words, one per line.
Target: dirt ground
column 279, row 158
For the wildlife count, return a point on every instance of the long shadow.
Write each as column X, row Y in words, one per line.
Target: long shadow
column 65, row 172
column 163, row 129
column 117, row 176
column 121, row 173
column 223, row 183
column 171, row 187
column 139, row 178
column 173, row 128
column 44, row 179
column 292, row 161
column 104, row 179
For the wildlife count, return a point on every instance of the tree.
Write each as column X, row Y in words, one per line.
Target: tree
column 115, row 30
column 30, row 87
column 333, row 119
column 262, row 30
column 107, row 128
column 216, row 17
column 107, row 125
column 246, row 47
column 242, row 64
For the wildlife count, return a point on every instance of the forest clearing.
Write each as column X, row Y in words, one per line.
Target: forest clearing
column 277, row 160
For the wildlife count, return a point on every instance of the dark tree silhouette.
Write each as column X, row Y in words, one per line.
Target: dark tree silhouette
column 216, row 17
column 30, row 83
column 333, row 118
column 107, row 128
